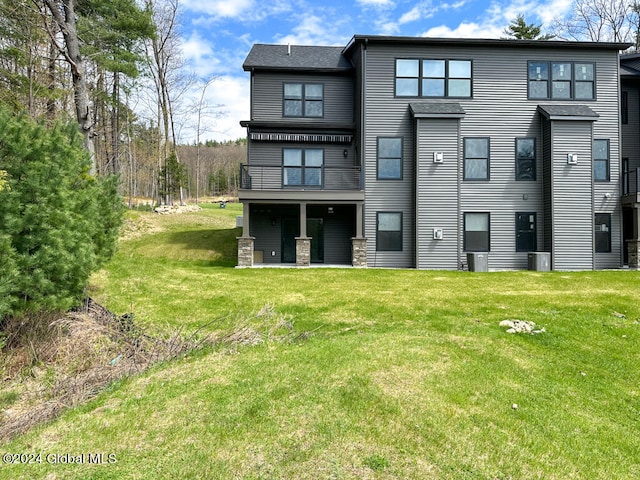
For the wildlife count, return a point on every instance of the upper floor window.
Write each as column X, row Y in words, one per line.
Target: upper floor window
column 302, row 167
column 601, row 160
column 389, row 158
column 476, row 159
column 562, row 80
column 525, row 158
column 624, row 108
column 433, row 78
column 303, row 100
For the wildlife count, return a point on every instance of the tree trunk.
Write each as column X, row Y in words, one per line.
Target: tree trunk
column 63, row 12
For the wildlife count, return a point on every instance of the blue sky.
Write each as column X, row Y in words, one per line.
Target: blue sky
column 218, row 34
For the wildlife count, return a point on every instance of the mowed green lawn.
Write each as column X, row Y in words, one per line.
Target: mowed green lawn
column 401, row 375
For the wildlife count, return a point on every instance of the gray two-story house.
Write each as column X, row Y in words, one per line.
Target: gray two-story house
column 415, row 152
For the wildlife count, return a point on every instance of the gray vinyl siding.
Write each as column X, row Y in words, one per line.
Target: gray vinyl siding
column 501, row 111
column 571, row 196
column 437, row 194
column 267, row 97
column 630, row 135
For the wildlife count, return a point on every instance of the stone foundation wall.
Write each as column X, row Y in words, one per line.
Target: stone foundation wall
column 303, row 251
column 359, row 252
column 245, row 251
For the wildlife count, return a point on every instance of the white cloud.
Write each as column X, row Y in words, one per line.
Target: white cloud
column 226, row 103
column 412, row 15
column 220, row 8
column 375, row 3
column 314, row 30
column 465, row 30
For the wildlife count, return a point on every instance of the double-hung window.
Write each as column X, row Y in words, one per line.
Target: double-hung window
column 561, row 80
column 303, row 100
column 525, row 159
column 602, row 223
column 601, row 161
column 476, row 158
column 302, row 167
column 476, row 232
column 389, row 231
column 436, row 78
column 389, row 158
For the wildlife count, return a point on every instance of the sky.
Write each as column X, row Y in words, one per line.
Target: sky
column 218, row 34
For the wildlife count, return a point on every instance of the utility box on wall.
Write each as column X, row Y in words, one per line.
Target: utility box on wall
column 539, row 261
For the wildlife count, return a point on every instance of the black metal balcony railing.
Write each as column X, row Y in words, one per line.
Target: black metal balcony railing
column 631, row 182
column 270, row 177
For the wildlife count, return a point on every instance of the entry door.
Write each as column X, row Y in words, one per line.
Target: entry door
column 315, row 230
column 290, row 231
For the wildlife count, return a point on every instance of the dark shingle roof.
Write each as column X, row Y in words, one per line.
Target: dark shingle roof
column 296, row 57
column 567, row 112
column 436, row 110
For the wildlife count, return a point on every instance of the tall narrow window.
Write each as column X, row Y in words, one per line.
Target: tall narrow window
column 476, row 158
column 538, row 80
column 585, row 81
column 302, row 167
column 389, row 158
column 389, row 231
column 526, row 237
column 476, row 232
column 624, row 108
column 561, row 80
column 601, row 160
column 303, row 100
column 603, row 232
column 525, row 159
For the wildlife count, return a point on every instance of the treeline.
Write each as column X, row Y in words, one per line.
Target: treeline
column 114, row 67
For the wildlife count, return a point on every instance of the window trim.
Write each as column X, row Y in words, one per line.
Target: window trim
column 607, row 161
column 399, row 232
column 572, row 82
column 303, row 100
column 464, row 159
column 534, row 231
column 303, row 168
column 421, row 77
column 596, row 232
column 378, row 177
column 518, row 159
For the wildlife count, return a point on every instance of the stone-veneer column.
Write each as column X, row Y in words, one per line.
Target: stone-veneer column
column 359, row 252
column 303, row 251
column 245, row 251
column 633, row 247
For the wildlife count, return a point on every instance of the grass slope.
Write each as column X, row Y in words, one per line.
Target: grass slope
column 406, row 375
